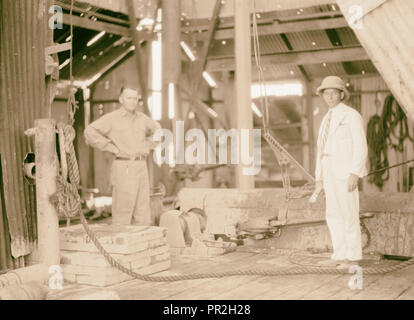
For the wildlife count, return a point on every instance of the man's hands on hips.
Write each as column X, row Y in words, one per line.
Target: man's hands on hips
column 352, row 182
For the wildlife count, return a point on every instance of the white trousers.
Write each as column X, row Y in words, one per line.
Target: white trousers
column 130, row 193
column 342, row 217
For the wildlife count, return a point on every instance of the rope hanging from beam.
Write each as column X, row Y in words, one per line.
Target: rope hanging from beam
column 72, row 105
column 282, row 155
column 380, row 133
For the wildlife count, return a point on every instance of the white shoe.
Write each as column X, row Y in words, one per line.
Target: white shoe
column 348, row 264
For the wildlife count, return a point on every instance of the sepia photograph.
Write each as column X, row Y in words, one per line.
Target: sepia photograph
column 207, row 155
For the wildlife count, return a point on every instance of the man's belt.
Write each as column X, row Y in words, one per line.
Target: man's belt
column 135, row 158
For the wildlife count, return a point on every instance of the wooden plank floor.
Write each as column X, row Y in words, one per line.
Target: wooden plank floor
column 395, row 285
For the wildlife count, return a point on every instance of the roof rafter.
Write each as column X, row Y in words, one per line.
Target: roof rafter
column 296, row 58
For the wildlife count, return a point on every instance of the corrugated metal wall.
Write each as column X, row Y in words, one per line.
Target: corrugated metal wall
column 24, row 34
column 386, row 33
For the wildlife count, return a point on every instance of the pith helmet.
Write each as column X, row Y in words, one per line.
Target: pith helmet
column 333, row 82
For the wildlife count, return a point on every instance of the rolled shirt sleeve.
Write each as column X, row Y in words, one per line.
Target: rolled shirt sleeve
column 151, row 127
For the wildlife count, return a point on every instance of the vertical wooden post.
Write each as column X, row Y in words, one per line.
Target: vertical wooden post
column 311, row 137
column 137, row 43
column 46, row 171
column 171, row 59
column 243, row 81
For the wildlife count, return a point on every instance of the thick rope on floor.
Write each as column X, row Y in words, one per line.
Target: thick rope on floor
column 236, row 272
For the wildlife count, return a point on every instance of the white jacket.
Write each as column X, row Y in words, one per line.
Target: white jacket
column 346, row 147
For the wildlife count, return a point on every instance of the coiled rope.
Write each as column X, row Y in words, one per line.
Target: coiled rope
column 66, row 199
column 380, row 133
column 377, row 151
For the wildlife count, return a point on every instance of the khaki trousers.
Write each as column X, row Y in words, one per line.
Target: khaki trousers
column 130, row 193
column 342, row 217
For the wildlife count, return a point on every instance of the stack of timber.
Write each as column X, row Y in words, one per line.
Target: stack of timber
column 142, row 249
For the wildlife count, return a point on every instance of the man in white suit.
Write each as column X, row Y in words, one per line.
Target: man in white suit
column 341, row 158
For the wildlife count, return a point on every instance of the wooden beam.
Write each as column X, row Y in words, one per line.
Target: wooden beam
column 197, row 25
column 295, row 58
column 310, row 123
column 58, row 48
column 210, row 34
column 104, row 26
column 282, row 27
column 201, row 64
column 90, row 13
column 201, row 106
column 46, row 169
column 136, row 39
column 243, row 112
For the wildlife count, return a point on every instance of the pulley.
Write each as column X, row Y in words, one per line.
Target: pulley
column 29, row 168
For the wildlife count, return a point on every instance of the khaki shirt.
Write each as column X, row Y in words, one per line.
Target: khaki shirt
column 122, row 133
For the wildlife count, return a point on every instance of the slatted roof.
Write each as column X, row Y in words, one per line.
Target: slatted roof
column 89, row 61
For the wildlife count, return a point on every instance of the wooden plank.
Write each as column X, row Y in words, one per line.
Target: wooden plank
column 301, row 285
column 242, row 65
column 47, row 251
column 278, row 287
column 95, row 259
column 388, row 45
column 272, row 198
column 201, row 9
column 89, row 13
column 209, row 39
column 328, row 289
column 266, row 18
column 281, row 27
column 96, row 25
column 137, row 289
column 140, row 290
column 387, row 287
column 310, row 126
column 210, row 289
column 58, row 48
column 407, row 294
column 346, row 293
column 295, row 58
column 105, row 26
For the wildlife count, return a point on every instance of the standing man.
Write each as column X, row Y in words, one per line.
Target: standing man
column 127, row 133
column 341, row 158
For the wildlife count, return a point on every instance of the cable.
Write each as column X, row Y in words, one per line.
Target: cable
column 71, row 104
